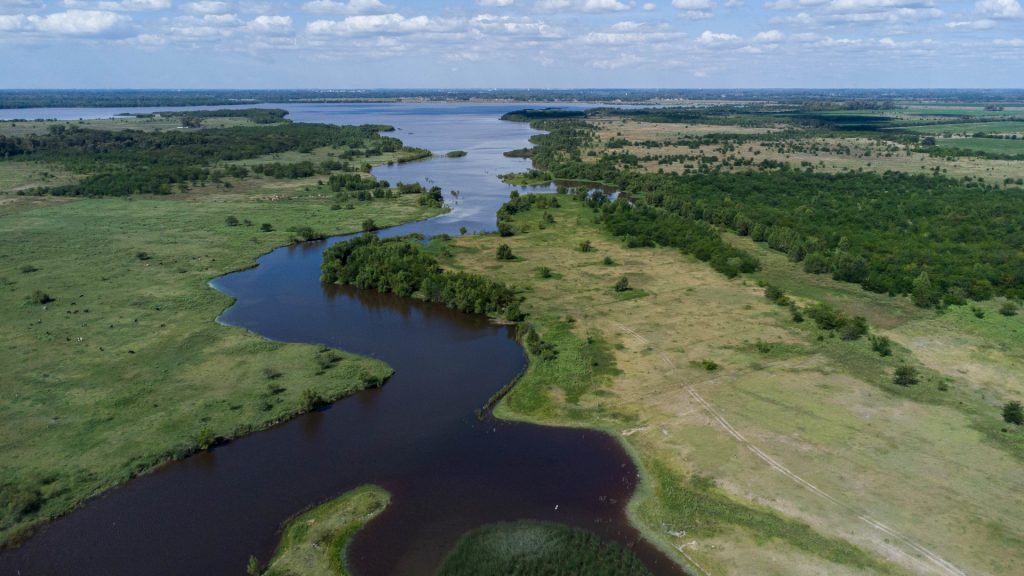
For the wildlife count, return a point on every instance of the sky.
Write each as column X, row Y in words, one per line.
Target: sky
column 512, row 44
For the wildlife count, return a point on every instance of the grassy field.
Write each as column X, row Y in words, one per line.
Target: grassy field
column 992, row 145
column 314, row 542
column 823, row 154
column 996, row 127
column 768, row 446
column 125, row 367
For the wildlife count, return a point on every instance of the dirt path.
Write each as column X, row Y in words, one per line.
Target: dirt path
column 924, row 557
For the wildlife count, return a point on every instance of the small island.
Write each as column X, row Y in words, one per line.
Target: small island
column 456, row 154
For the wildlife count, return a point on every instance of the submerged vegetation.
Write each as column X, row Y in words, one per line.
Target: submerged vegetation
column 528, row 548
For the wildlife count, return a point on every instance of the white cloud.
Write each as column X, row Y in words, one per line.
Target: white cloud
column 650, row 7
column 1015, row 42
column 133, row 5
column 999, row 8
column 693, row 4
column 207, row 7
column 580, row 6
column 498, row 3
column 769, row 36
column 350, row 7
column 709, row 38
column 79, row 22
column 12, row 22
column 983, row 24
column 270, row 24
column 376, row 24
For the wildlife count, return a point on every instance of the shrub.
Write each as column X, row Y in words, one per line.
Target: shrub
column 271, row 374
column 882, row 345
column 505, row 229
column 28, row 269
column 544, row 272
column 40, row 297
column 463, row 230
column 311, row 400
column 905, row 376
column 607, row 261
column 1008, row 309
column 1013, row 413
column 206, row 438
column 853, row 329
column 266, row 227
column 369, row 225
column 622, row 285
column 978, row 312
column 231, row 221
column 586, row 246
column 505, row 252
column 142, row 256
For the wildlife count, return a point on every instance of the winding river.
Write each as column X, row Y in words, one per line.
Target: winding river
column 418, row 436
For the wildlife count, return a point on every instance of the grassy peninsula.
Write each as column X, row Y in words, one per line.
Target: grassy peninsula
column 113, row 360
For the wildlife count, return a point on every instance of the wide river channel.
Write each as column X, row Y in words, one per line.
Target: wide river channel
column 418, row 436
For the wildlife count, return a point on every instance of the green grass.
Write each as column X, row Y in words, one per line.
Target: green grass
column 995, row 127
column 992, row 145
column 701, row 510
column 314, row 542
column 126, row 368
column 528, row 548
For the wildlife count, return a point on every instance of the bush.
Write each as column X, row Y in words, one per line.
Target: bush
column 544, row 272
column 1008, row 309
column 608, row 261
column 142, row 256
column 369, row 225
column 882, row 345
column 231, row 221
column 505, row 229
column 1013, row 413
column 586, row 246
column 40, row 297
column 905, row 376
column 622, row 285
column 311, row 400
column 28, row 269
column 505, row 252
column 206, row 439
column 266, row 227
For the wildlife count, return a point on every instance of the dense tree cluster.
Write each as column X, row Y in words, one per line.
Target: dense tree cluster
column 397, row 265
column 648, row 226
column 132, row 162
column 941, row 239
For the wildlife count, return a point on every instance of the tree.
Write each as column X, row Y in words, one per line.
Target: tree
column 923, row 293
column 905, row 376
column 505, row 252
column 622, row 285
column 369, row 225
column 1013, row 413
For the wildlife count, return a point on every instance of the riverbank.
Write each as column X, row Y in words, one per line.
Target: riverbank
column 748, row 428
column 125, row 368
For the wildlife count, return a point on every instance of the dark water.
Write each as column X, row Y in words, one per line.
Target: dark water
column 418, row 436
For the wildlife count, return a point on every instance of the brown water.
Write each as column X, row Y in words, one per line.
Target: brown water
column 418, row 436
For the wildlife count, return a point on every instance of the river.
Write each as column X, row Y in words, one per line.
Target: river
column 417, row 436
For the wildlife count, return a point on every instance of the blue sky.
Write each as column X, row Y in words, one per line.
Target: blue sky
column 511, row 43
